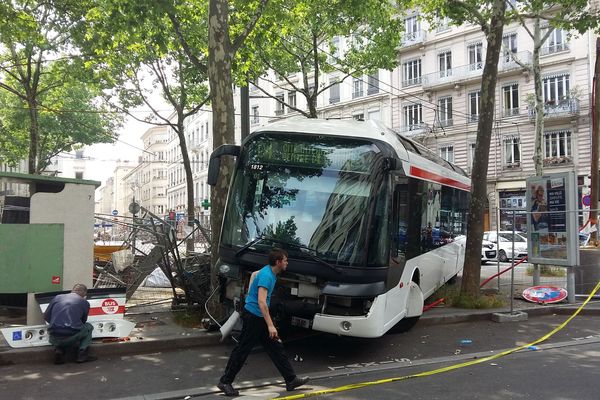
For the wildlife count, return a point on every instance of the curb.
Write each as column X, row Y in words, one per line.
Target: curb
column 46, row 353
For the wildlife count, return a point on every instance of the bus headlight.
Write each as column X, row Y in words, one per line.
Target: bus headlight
column 346, row 325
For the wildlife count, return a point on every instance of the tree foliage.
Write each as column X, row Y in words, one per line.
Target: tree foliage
column 48, row 101
column 301, row 39
column 137, row 52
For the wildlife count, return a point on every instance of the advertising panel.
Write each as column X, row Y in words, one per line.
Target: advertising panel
column 552, row 224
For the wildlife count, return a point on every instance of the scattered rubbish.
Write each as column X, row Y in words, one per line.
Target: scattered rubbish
column 533, row 348
column 466, row 341
column 154, row 318
column 456, row 352
column 116, row 339
column 493, row 364
column 103, row 379
column 187, row 397
column 298, row 358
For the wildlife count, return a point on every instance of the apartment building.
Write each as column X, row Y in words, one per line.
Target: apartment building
column 436, row 101
column 148, row 180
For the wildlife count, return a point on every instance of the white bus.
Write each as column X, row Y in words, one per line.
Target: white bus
column 373, row 223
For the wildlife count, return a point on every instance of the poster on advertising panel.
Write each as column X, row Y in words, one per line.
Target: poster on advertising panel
column 552, row 224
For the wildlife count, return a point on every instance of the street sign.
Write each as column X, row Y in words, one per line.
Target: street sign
column 586, row 200
column 115, row 212
column 134, row 207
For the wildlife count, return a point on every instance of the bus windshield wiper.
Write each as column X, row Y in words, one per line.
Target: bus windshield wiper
column 306, row 251
column 250, row 244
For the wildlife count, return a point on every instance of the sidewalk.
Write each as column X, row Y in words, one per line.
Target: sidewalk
column 159, row 332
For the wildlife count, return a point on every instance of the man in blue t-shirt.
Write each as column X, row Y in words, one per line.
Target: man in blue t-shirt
column 67, row 315
column 258, row 326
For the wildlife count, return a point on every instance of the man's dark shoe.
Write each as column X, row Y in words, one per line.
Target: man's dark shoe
column 228, row 389
column 59, row 356
column 296, row 383
column 85, row 356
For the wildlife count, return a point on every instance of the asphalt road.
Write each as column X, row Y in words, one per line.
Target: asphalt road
column 335, row 361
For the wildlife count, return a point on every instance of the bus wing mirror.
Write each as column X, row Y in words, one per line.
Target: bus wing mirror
column 214, row 164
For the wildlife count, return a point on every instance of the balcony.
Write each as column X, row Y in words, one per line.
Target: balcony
column 555, row 48
column 565, row 108
column 453, row 76
column 412, row 82
column 510, row 112
column 413, row 129
column 413, row 38
column 557, row 160
column 512, row 166
column 510, row 62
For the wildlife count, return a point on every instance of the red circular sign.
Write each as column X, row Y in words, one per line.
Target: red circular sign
column 544, row 294
column 110, row 306
column 586, row 200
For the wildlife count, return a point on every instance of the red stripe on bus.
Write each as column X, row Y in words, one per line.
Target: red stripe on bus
column 100, row 311
column 432, row 176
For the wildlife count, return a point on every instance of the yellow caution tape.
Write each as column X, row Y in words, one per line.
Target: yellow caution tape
column 444, row 369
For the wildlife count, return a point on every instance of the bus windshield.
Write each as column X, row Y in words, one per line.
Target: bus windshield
column 306, row 191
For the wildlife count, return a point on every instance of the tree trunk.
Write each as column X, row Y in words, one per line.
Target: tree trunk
column 33, row 136
column 478, row 201
column 189, row 179
column 220, row 54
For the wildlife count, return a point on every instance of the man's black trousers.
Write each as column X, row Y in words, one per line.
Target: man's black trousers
column 255, row 330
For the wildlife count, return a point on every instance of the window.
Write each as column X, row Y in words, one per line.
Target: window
column 557, row 147
column 512, row 152
column 291, row 100
column 471, row 154
column 334, row 91
column 279, row 107
column 359, row 117
column 474, row 100
column 447, row 153
column 511, row 100
column 335, row 48
column 373, row 83
column 255, row 117
column 412, row 28
column 556, row 42
column 412, row 72
column 79, row 155
column 509, row 46
column 556, row 88
column 445, row 64
column 443, row 24
column 445, row 111
column 357, row 88
column 413, row 116
column 475, row 56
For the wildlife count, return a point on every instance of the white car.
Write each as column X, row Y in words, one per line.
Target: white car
column 504, row 243
column 488, row 251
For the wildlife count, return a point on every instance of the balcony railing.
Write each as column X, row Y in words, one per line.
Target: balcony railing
column 549, row 161
column 446, row 122
column 511, row 61
column 412, row 82
column 512, row 165
column 510, row 112
column 279, row 111
column 555, row 48
column 412, row 129
column 452, row 75
column 412, row 38
column 563, row 109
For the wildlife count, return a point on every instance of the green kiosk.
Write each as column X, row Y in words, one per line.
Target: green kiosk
column 46, row 235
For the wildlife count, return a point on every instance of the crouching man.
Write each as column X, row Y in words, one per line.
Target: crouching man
column 67, row 315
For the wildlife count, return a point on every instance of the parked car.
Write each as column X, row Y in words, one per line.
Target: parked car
column 504, row 243
column 488, row 251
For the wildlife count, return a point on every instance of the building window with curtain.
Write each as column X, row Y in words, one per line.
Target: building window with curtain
column 475, row 52
column 334, row 91
column 373, row 83
column 279, row 107
column 291, row 100
column 357, row 88
column 556, row 88
column 413, row 117
column 474, row 103
column 411, row 72
column 510, row 95
column 445, row 111
column 512, row 152
column 445, row 64
column 447, row 153
column 556, row 42
column 509, row 47
column 557, row 148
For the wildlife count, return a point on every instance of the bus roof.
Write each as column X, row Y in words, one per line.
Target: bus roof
column 415, row 154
